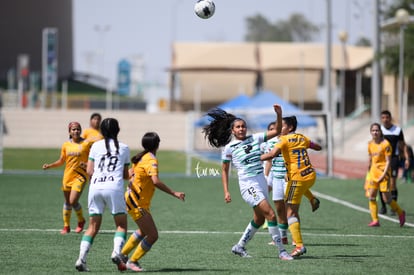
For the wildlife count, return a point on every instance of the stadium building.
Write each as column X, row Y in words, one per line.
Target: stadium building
column 22, row 24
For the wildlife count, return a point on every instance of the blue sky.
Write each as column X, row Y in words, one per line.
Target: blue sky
column 105, row 31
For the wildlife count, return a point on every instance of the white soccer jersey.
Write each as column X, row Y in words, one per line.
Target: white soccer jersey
column 278, row 163
column 108, row 170
column 245, row 155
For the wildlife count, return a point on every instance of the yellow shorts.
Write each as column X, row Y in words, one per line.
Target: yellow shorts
column 75, row 185
column 296, row 189
column 383, row 186
column 137, row 213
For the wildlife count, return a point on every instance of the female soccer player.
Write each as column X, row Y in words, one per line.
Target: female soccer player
column 300, row 173
column 244, row 152
column 108, row 167
column 74, row 153
column 144, row 180
column 92, row 133
column 380, row 152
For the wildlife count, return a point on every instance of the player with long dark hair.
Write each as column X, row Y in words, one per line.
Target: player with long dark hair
column 108, row 167
column 144, row 179
column 244, row 152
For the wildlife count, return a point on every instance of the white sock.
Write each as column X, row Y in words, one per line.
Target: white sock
column 247, row 235
column 275, row 233
column 84, row 249
column 118, row 244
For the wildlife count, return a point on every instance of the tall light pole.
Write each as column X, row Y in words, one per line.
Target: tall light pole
column 376, row 90
column 403, row 18
column 327, row 79
column 101, row 31
column 343, row 37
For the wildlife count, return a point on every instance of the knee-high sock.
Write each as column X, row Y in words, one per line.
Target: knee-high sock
column 119, row 241
column 141, row 250
column 248, row 233
column 294, row 227
column 132, row 242
column 85, row 245
column 373, row 209
column 283, row 227
column 66, row 213
column 79, row 212
column 275, row 233
column 396, row 207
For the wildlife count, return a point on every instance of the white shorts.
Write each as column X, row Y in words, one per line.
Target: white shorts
column 278, row 189
column 98, row 199
column 253, row 190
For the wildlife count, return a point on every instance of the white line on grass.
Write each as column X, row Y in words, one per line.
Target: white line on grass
column 201, row 232
column 326, row 197
column 356, row 207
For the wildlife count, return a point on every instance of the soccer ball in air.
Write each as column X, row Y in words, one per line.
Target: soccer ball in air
column 204, row 8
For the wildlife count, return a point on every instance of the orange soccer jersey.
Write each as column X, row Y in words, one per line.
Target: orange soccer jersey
column 294, row 150
column 92, row 134
column 76, row 157
column 379, row 152
column 142, row 188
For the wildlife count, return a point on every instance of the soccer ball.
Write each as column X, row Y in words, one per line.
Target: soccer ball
column 204, row 8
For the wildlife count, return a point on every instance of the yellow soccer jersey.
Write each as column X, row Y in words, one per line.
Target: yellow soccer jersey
column 378, row 153
column 75, row 156
column 294, row 150
column 142, row 188
column 91, row 134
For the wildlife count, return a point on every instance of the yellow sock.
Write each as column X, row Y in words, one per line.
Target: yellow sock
column 79, row 213
column 132, row 242
column 141, row 250
column 294, row 228
column 66, row 216
column 309, row 195
column 373, row 207
column 396, row 207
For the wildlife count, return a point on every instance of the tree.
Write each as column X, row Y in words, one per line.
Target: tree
column 296, row 28
column 391, row 52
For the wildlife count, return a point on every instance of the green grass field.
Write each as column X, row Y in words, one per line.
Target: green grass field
column 196, row 236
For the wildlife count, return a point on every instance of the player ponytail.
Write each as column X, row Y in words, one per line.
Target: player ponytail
column 109, row 130
column 150, row 141
column 219, row 131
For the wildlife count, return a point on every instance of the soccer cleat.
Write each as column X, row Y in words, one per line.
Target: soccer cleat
column 271, row 243
column 315, row 202
column 285, row 240
column 80, row 227
column 81, row 266
column 374, row 224
column 402, row 218
column 134, row 266
column 65, row 230
column 284, row 256
column 241, row 251
column 298, row 251
column 119, row 261
column 383, row 210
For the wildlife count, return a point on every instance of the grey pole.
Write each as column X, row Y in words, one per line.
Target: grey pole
column 327, row 77
column 376, row 87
